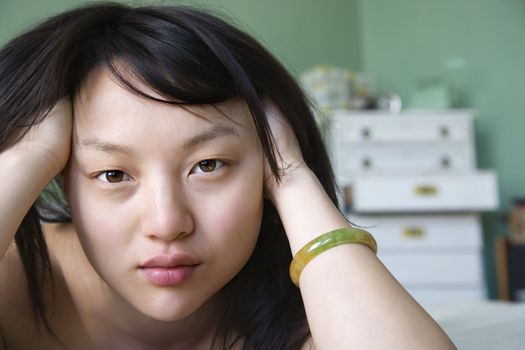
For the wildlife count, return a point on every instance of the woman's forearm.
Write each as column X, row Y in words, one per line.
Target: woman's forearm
column 23, row 176
column 351, row 299
column 305, row 209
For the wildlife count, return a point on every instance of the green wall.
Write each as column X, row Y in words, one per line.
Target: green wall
column 477, row 47
column 301, row 33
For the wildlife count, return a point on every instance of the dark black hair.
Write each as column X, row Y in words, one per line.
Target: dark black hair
column 189, row 57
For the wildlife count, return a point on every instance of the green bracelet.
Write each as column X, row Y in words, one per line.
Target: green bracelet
column 325, row 242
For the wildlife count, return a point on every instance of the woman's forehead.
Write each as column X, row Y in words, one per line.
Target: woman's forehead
column 103, row 95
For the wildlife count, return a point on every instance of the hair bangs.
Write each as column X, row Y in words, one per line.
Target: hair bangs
column 161, row 55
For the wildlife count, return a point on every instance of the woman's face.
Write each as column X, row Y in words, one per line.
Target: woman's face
column 167, row 205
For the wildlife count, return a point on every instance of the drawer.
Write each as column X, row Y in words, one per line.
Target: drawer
column 473, row 191
column 434, row 233
column 423, row 126
column 360, row 159
column 433, row 270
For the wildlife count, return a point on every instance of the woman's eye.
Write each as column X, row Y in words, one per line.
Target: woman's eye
column 113, row 176
column 207, row 166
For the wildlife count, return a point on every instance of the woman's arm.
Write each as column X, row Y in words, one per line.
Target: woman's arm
column 29, row 165
column 351, row 299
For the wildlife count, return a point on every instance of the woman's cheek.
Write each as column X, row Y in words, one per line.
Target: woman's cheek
column 97, row 217
column 236, row 212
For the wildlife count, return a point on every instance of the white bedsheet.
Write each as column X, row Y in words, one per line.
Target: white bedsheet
column 484, row 325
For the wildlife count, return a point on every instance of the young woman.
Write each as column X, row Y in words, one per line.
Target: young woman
column 188, row 171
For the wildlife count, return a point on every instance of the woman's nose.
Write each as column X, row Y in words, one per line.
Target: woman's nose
column 165, row 214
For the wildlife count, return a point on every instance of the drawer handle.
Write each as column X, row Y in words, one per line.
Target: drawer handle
column 413, row 232
column 366, row 163
column 426, row 190
column 366, row 133
column 444, row 131
column 445, row 162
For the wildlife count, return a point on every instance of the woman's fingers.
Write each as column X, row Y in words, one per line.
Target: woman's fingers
column 286, row 147
column 51, row 138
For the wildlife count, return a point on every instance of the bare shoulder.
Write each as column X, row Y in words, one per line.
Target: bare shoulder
column 15, row 305
column 13, row 290
column 17, row 321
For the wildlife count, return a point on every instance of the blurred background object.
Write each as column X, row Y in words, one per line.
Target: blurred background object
column 412, row 179
column 338, row 88
column 517, row 221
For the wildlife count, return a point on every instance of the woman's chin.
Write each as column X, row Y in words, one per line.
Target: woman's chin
column 172, row 308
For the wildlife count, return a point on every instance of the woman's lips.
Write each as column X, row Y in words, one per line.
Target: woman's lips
column 169, row 270
column 168, row 276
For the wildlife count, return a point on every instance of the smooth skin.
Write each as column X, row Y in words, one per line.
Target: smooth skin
column 162, row 198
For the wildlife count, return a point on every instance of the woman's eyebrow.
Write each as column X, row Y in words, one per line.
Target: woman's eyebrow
column 215, row 131
column 207, row 135
column 103, row 146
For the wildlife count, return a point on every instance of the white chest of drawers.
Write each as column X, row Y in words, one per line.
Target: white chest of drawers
column 414, row 185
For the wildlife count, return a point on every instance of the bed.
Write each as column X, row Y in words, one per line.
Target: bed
column 490, row 325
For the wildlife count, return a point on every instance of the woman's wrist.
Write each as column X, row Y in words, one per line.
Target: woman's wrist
column 38, row 167
column 293, row 177
column 305, row 208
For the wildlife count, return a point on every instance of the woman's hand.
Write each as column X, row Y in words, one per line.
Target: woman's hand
column 29, row 165
column 50, row 140
column 287, row 152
